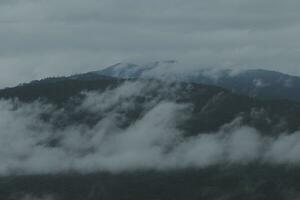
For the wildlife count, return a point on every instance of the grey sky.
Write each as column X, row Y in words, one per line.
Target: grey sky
column 42, row 38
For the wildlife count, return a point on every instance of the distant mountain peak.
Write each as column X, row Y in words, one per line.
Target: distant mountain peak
column 251, row 82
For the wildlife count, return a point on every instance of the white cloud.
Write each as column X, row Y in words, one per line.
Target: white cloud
column 153, row 141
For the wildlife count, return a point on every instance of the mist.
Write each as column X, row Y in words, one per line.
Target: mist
column 152, row 142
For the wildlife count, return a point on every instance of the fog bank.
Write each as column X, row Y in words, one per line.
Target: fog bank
column 153, row 141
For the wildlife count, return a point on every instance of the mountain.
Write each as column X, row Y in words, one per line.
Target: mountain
column 208, row 142
column 255, row 83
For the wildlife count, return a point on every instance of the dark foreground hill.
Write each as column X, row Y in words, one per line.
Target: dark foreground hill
column 252, row 182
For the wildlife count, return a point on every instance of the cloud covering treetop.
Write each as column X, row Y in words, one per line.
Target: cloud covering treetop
column 32, row 143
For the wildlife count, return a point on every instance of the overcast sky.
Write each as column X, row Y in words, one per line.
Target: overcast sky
column 42, row 38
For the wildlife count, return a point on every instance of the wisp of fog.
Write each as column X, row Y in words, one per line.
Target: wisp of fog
column 153, row 141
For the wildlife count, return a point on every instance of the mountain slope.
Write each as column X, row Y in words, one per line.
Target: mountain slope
column 212, row 106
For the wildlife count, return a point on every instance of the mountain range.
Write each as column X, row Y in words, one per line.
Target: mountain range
column 254, row 82
column 219, row 134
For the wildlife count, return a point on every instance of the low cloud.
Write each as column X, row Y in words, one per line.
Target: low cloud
column 152, row 141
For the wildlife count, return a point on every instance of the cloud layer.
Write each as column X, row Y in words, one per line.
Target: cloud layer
column 60, row 37
column 30, row 146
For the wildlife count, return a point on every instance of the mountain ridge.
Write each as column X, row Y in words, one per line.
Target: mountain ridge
column 253, row 82
column 261, row 83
